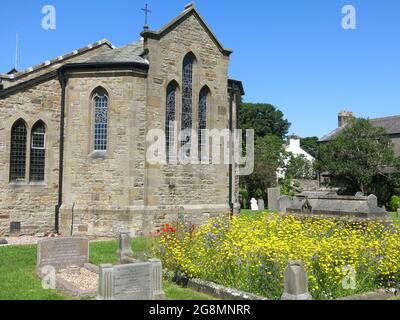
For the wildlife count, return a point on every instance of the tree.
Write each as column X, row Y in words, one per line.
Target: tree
column 310, row 145
column 265, row 119
column 268, row 153
column 356, row 157
column 298, row 167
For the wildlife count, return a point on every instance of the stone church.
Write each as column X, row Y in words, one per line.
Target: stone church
column 73, row 135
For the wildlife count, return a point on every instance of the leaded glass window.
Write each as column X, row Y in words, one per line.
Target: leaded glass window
column 18, row 151
column 170, row 119
column 203, row 101
column 101, row 121
column 38, row 152
column 187, row 93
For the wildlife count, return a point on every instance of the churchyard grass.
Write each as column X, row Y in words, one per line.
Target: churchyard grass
column 18, row 279
column 396, row 218
column 250, row 253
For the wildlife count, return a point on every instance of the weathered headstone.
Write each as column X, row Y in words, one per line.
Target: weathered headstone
column 157, row 280
column 63, row 252
column 125, row 253
column 273, row 197
column 261, row 205
column 398, row 212
column 3, row 242
column 126, row 282
column 296, row 282
column 254, row 204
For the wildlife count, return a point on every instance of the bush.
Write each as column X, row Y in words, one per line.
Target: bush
column 394, row 203
column 251, row 254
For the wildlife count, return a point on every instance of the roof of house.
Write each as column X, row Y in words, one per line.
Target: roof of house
column 391, row 124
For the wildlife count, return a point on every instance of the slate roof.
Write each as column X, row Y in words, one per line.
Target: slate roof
column 130, row 53
column 391, row 124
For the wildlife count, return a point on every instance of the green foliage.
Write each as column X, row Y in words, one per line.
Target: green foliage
column 244, row 198
column 394, row 203
column 298, row 167
column 265, row 119
column 286, row 187
column 268, row 153
column 355, row 158
column 310, row 145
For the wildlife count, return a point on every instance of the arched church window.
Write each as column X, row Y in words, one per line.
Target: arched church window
column 187, row 98
column 170, row 119
column 203, row 105
column 18, row 151
column 38, row 152
column 100, row 100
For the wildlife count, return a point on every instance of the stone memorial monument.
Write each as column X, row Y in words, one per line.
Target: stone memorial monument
column 63, row 263
column 296, row 282
column 273, row 197
column 125, row 253
column 136, row 281
column 261, row 205
column 254, row 204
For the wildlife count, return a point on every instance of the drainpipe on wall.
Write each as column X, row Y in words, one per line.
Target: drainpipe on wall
column 231, row 96
column 63, row 82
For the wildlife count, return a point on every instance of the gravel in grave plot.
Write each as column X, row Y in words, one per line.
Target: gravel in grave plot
column 85, row 280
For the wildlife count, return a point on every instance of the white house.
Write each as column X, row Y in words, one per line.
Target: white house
column 293, row 146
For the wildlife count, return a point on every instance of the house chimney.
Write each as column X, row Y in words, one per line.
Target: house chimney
column 345, row 117
column 294, row 142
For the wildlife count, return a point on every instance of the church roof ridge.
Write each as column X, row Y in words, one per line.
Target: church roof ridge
column 59, row 59
column 189, row 9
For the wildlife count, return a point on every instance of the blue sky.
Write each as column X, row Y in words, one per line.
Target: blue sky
column 293, row 54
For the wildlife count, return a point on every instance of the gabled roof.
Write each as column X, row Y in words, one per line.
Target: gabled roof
column 60, row 59
column 391, row 124
column 189, row 10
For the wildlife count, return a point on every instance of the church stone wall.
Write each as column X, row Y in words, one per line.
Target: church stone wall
column 31, row 204
column 100, row 191
column 198, row 190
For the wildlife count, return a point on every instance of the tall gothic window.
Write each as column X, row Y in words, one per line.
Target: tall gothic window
column 38, row 152
column 100, row 100
column 203, row 104
column 170, row 119
column 18, row 151
column 187, row 98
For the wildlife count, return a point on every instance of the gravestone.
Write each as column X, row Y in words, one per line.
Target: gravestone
column 156, row 266
column 296, row 282
column 63, row 252
column 261, row 205
column 63, row 264
column 273, row 196
column 136, row 281
column 254, row 204
column 398, row 212
column 125, row 253
column 3, row 242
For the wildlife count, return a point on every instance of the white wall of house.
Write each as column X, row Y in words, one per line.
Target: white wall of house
column 293, row 146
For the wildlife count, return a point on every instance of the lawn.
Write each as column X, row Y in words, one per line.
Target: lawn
column 396, row 218
column 18, row 279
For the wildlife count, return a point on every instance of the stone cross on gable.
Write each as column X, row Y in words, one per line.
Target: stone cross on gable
column 146, row 13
